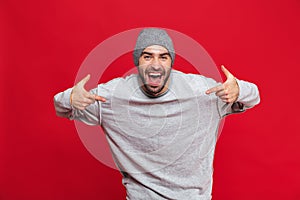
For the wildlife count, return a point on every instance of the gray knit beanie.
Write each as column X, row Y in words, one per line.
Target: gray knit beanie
column 152, row 36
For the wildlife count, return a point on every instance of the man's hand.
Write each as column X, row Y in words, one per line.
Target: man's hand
column 229, row 90
column 80, row 98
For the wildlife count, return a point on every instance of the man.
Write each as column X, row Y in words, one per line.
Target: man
column 161, row 124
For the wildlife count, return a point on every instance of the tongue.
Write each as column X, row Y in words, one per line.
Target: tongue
column 154, row 81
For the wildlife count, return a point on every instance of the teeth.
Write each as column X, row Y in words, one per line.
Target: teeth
column 155, row 75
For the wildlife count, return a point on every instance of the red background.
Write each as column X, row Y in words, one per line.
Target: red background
column 43, row 43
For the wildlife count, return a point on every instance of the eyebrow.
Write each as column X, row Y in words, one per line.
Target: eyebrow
column 148, row 53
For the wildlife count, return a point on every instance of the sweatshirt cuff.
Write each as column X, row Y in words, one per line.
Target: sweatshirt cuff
column 237, row 106
column 63, row 99
column 241, row 90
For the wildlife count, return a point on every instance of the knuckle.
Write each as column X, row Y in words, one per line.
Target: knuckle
column 82, row 108
column 86, row 101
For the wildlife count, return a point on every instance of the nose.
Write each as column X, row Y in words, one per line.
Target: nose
column 156, row 65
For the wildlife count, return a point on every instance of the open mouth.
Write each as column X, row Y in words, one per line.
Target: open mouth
column 155, row 79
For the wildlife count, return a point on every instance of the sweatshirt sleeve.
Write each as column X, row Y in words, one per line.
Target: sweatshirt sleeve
column 248, row 98
column 91, row 115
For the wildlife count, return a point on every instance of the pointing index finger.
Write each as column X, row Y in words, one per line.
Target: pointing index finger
column 99, row 98
column 95, row 97
column 215, row 89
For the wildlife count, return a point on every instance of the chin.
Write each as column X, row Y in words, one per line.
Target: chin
column 154, row 91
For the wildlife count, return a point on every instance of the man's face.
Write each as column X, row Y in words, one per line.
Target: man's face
column 154, row 69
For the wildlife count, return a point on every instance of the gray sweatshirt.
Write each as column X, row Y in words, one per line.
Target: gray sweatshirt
column 164, row 147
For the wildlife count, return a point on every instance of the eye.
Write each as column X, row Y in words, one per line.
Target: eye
column 164, row 58
column 147, row 57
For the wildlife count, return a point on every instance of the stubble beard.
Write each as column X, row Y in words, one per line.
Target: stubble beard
column 150, row 82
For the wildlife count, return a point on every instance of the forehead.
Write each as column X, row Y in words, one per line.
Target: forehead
column 156, row 49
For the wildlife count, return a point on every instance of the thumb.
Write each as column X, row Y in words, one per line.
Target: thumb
column 226, row 72
column 84, row 80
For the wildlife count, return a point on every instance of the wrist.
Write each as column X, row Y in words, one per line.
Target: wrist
column 71, row 98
